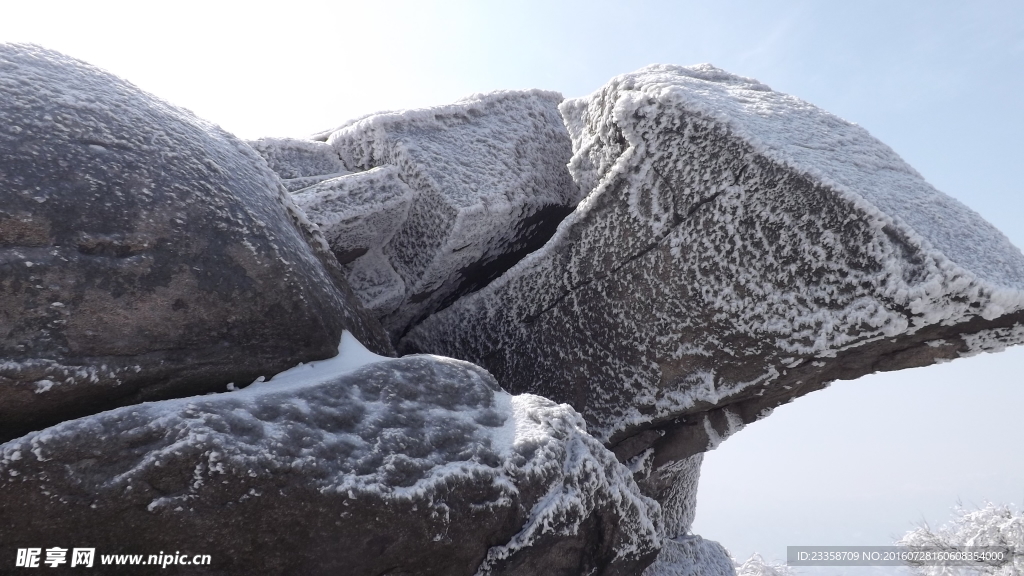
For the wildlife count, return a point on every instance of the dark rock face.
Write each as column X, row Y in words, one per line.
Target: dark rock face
column 463, row 191
column 144, row 253
column 738, row 248
column 356, row 465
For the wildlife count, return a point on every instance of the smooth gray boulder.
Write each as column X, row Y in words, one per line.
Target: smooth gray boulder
column 470, row 189
column 357, row 465
column 737, row 248
column 144, row 253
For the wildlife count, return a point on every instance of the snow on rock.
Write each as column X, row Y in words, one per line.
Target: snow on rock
column 144, row 253
column 359, row 215
column 691, row 556
column 991, row 340
column 737, row 248
column 300, row 163
column 358, row 465
column 486, row 183
column 674, row 485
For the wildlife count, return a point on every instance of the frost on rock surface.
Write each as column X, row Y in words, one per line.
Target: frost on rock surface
column 737, row 248
column 300, row 163
column 144, row 253
column 470, row 189
column 674, row 485
column 360, row 214
column 691, row 556
column 355, row 465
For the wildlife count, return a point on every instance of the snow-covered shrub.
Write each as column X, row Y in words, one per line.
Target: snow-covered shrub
column 758, row 566
column 990, row 525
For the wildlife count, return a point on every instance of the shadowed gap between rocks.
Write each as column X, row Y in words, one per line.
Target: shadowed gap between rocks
column 534, row 231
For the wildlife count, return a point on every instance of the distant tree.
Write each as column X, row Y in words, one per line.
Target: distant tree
column 991, row 525
column 758, row 566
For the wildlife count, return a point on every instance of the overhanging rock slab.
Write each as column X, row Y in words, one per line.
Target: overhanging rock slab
column 738, row 248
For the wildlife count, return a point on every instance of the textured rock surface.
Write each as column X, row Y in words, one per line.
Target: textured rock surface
column 738, row 248
column 691, row 556
column 144, row 253
column 674, row 485
column 300, row 163
column 471, row 188
column 357, row 465
column 360, row 214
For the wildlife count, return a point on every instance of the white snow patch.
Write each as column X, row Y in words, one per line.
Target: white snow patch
column 352, row 355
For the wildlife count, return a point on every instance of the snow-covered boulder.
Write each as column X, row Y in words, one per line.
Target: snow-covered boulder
column 737, row 248
column 483, row 183
column 144, row 253
column 300, row 163
column 359, row 215
column 357, row 465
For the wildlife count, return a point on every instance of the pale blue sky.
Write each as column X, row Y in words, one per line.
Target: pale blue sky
column 940, row 82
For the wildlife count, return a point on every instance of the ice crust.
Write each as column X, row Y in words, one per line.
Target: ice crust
column 730, row 234
column 674, row 486
column 966, row 256
column 294, row 158
column 844, row 157
column 359, row 214
column 359, row 426
column 300, row 163
column 691, row 556
column 469, row 188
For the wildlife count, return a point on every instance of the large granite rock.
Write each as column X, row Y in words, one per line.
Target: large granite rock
column 738, row 248
column 144, row 253
column 466, row 190
column 358, row 465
